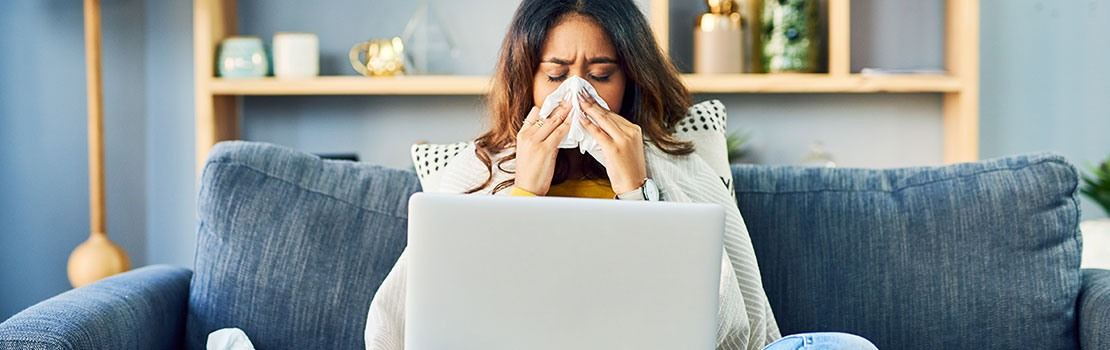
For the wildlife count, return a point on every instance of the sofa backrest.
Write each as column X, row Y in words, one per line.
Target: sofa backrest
column 985, row 255
column 970, row 256
column 291, row 248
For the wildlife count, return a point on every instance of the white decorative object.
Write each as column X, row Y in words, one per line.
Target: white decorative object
column 1096, row 243
column 296, row 55
column 817, row 157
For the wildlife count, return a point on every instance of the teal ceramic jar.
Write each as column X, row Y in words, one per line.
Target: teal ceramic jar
column 242, row 57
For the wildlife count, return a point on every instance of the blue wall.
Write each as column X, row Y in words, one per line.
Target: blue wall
column 1046, row 80
column 1043, row 88
column 170, row 173
column 44, row 205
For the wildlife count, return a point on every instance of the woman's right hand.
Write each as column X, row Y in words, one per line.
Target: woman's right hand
column 537, row 146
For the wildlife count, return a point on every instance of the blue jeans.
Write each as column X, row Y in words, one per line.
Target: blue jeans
column 821, row 341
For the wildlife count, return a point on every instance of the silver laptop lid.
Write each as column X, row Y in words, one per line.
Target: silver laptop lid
column 491, row 272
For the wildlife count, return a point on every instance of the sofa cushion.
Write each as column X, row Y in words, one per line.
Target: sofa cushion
column 970, row 256
column 291, row 248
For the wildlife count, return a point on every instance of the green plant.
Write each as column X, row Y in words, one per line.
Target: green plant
column 737, row 144
column 1097, row 185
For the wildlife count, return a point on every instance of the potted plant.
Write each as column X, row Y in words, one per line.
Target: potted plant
column 737, row 144
column 1096, row 233
column 1097, row 185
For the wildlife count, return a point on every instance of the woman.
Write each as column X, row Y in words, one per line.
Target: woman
column 608, row 43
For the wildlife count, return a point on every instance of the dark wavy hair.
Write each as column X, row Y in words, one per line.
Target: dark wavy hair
column 654, row 97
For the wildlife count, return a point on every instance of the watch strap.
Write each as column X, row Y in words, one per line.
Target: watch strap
column 633, row 195
column 636, row 194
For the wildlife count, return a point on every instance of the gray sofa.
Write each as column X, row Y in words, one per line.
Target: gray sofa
column 291, row 249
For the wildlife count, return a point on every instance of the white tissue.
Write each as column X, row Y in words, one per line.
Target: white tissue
column 578, row 137
column 228, row 339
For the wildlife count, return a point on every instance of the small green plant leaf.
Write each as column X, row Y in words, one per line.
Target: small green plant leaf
column 1097, row 185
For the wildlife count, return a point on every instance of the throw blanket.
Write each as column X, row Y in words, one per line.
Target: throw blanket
column 745, row 320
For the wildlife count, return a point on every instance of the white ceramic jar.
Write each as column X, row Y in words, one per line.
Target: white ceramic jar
column 296, row 55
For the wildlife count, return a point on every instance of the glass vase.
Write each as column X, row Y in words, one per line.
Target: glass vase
column 429, row 47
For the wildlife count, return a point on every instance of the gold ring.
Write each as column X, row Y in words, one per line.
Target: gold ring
column 538, row 123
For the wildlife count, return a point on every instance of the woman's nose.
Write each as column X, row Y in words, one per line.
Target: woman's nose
column 578, row 69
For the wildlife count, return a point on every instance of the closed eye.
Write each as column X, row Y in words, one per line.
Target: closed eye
column 557, row 79
column 599, row 79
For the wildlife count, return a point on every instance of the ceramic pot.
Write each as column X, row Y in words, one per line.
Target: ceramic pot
column 296, row 55
column 242, row 57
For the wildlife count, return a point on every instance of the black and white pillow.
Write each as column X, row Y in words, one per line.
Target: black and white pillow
column 704, row 125
column 430, row 159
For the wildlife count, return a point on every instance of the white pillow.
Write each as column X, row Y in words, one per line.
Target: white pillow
column 704, row 125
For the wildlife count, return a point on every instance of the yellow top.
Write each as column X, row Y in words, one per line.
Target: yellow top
column 596, row 188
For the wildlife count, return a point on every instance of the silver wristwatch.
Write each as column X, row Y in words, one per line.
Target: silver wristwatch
column 647, row 191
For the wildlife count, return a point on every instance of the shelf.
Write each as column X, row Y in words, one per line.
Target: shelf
column 479, row 85
column 218, row 110
column 354, row 85
column 818, row 83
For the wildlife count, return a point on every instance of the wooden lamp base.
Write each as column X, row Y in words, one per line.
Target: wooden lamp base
column 96, row 258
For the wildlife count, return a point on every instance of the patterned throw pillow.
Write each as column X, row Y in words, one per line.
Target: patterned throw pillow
column 430, row 159
column 704, row 125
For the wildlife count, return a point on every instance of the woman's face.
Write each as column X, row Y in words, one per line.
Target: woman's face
column 578, row 46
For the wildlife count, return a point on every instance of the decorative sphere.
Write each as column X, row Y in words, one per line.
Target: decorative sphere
column 95, row 259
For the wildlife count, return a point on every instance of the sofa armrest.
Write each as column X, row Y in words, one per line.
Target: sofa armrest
column 139, row 309
column 1094, row 310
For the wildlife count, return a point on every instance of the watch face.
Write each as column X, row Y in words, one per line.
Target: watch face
column 651, row 192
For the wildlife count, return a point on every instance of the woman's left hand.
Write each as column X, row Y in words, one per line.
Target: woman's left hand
column 622, row 143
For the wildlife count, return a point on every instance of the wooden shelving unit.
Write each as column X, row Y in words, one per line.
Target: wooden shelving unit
column 217, row 105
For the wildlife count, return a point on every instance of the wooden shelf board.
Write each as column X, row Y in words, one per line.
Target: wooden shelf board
column 354, row 85
column 479, row 85
column 819, row 83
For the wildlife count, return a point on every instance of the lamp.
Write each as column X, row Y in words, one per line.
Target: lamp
column 97, row 257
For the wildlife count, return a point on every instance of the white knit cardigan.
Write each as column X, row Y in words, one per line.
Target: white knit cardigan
column 745, row 320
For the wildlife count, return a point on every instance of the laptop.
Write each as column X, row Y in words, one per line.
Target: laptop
column 496, row 272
